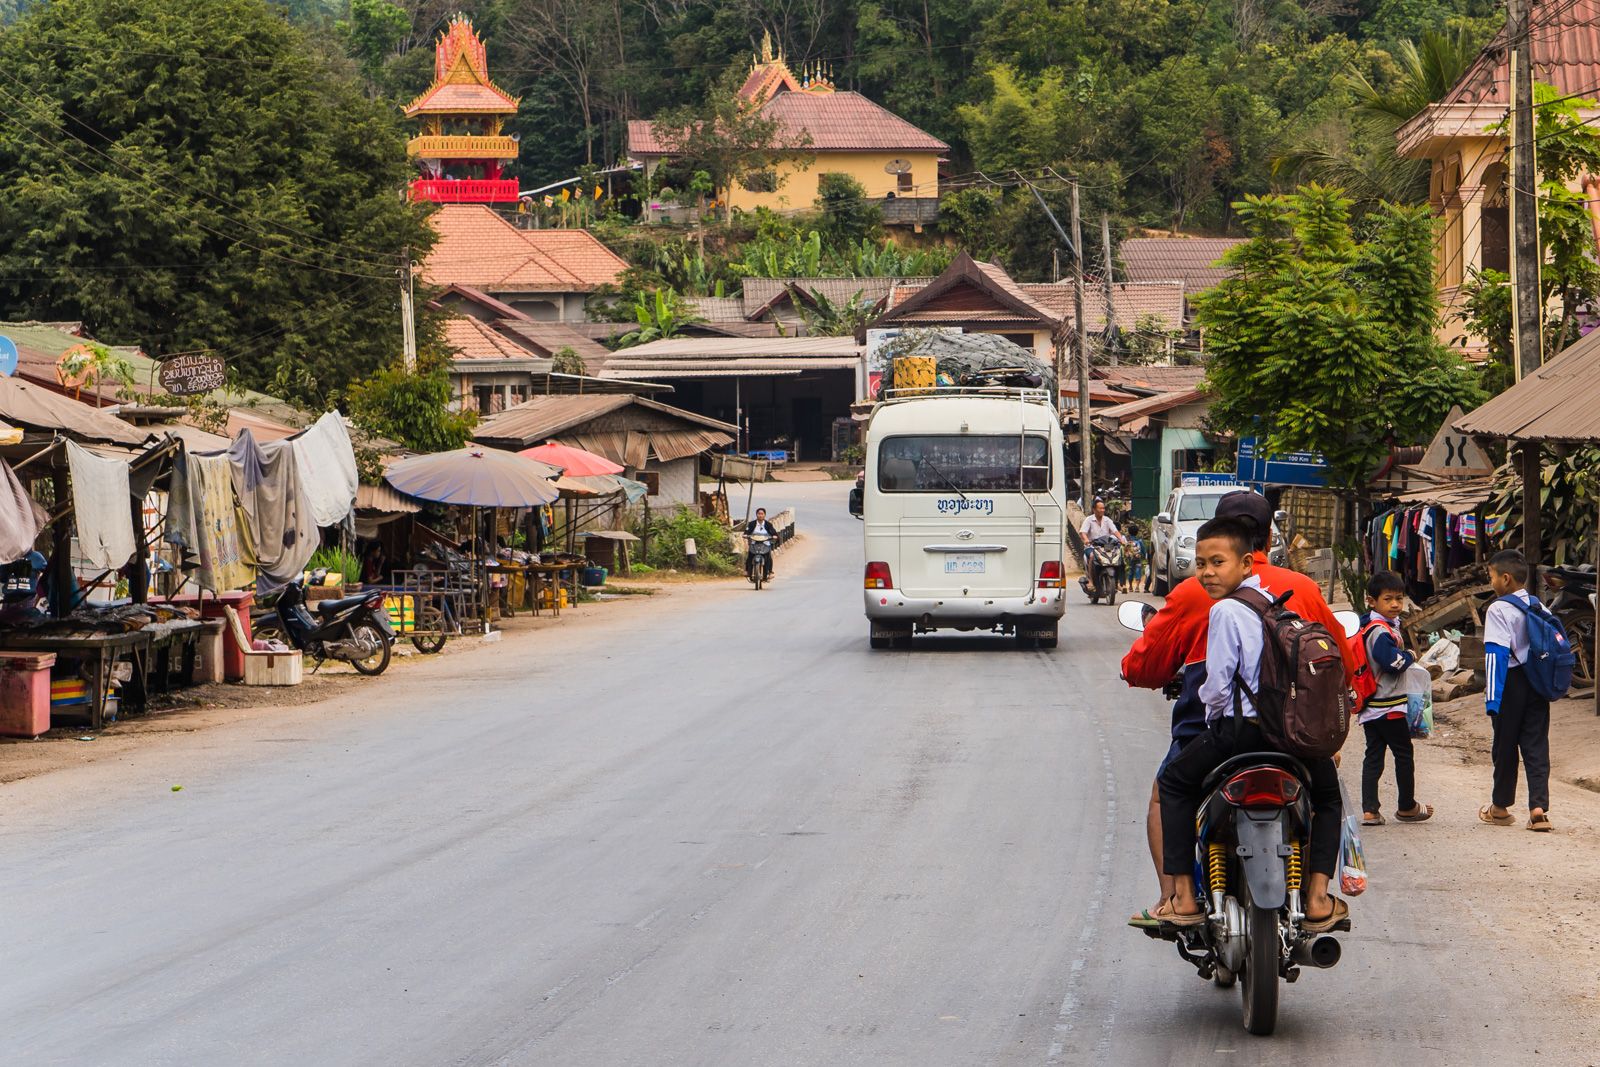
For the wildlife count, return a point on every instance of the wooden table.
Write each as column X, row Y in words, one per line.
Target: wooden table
column 180, row 635
column 104, row 649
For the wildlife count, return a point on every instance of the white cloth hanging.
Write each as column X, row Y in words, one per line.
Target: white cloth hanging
column 20, row 518
column 327, row 465
column 102, row 508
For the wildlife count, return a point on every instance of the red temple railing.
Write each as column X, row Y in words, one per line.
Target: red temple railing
column 465, row 190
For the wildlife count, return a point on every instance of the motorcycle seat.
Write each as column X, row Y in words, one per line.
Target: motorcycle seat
column 334, row 607
column 1255, row 759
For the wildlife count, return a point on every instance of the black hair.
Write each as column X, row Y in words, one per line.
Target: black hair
column 1512, row 562
column 1240, row 530
column 1383, row 582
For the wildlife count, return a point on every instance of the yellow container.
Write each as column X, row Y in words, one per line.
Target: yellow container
column 547, row 597
column 916, row 372
column 402, row 612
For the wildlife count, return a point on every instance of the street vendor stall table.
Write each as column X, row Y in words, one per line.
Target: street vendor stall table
column 174, row 649
column 548, row 576
column 102, row 650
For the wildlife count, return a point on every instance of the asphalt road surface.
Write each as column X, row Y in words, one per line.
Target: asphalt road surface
column 727, row 835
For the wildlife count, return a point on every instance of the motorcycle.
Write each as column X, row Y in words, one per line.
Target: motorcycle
column 757, row 560
column 1103, row 570
column 354, row 629
column 1253, row 831
column 1569, row 592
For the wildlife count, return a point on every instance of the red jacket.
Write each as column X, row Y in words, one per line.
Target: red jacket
column 1176, row 636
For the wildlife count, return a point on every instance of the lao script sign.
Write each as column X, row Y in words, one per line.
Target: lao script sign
column 192, row 375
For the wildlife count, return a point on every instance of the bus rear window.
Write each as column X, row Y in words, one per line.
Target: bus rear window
column 965, row 463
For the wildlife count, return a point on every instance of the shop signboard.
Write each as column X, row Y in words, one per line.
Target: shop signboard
column 1289, row 468
column 192, row 375
column 1207, row 478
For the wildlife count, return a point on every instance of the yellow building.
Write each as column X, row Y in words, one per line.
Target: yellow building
column 1468, row 183
column 895, row 162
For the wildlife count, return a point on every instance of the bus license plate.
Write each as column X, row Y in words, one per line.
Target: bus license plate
column 963, row 562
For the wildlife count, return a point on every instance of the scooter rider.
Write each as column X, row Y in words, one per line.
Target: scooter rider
column 760, row 525
column 1095, row 527
column 1171, row 654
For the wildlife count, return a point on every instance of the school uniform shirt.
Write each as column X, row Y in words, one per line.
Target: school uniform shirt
column 1505, row 645
column 1235, row 643
column 1389, row 661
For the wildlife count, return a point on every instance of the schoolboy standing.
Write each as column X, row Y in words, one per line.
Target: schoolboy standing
column 1383, row 717
column 1520, row 715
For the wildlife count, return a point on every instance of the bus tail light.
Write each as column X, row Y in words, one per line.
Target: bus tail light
column 1052, row 575
column 878, row 576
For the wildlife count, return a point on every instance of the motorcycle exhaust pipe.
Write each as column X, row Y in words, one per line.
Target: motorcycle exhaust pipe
column 1323, row 952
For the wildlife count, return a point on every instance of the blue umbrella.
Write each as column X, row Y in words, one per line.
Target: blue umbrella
column 477, row 477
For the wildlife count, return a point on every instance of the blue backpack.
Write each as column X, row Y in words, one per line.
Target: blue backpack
column 1550, row 659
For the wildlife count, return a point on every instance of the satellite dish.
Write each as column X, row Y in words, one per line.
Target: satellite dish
column 898, row 166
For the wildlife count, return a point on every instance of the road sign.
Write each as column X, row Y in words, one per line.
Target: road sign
column 1454, row 454
column 8, row 356
column 192, row 375
column 1207, row 478
column 1290, row 468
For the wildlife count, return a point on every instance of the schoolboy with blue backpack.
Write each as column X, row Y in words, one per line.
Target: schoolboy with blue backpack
column 1527, row 664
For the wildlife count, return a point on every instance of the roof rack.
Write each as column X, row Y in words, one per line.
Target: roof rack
column 999, row 392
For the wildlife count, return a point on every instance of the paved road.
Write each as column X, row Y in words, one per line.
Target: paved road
column 727, row 837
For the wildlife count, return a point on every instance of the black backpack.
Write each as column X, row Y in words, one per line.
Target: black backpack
column 1303, row 703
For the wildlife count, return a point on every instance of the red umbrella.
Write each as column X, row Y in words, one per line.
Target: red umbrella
column 574, row 462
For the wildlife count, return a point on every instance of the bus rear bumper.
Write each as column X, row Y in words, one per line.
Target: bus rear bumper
column 890, row 610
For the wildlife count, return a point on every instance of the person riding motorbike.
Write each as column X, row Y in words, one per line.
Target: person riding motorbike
column 760, row 525
column 1094, row 527
column 1171, row 655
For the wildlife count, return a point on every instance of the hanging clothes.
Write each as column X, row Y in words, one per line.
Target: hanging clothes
column 266, row 479
column 102, row 508
column 181, row 529
column 21, row 518
column 222, row 540
column 326, row 462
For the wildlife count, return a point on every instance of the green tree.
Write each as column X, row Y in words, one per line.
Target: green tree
column 411, row 407
column 847, row 214
column 660, row 314
column 1323, row 343
column 567, row 361
column 248, row 207
column 372, row 33
column 729, row 138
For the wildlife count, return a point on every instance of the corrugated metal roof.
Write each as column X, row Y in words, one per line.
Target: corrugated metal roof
column 543, row 418
column 383, row 498
column 717, row 348
column 1146, row 406
column 1555, row 403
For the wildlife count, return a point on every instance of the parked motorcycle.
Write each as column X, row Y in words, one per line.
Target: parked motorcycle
column 1567, row 594
column 1103, row 570
column 757, row 560
column 1254, row 829
column 354, row 629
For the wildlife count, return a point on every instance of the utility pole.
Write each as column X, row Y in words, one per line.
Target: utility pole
column 1079, row 337
column 408, row 324
column 1526, row 306
column 1080, row 347
column 1111, row 307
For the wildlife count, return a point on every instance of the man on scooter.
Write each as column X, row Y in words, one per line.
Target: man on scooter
column 1171, row 655
column 760, row 525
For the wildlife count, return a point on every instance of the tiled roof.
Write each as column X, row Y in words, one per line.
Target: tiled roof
column 718, row 308
column 463, row 98
column 1152, row 379
column 472, row 339
column 544, row 417
column 479, row 249
column 759, row 293
column 836, row 122
column 1564, row 41
column 1190, row 260
column 1134, row 301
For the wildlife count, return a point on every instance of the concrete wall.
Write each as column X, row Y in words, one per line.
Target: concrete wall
column 1174, row 440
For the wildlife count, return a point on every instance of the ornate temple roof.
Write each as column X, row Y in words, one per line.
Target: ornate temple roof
column 461, row 77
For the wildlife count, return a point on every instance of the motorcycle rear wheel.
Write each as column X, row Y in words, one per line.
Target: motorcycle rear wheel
column 1580, row 635
column 378, row 662
column 269, row 632
column 1258, row 984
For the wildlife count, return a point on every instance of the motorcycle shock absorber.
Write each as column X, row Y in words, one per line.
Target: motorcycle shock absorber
column 1292, row 879
column 1217, row 869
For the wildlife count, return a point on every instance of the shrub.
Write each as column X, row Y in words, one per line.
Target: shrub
column 713, row 548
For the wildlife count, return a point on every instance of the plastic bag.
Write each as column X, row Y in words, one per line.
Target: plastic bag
column 1419, row 714
column 1352, row 860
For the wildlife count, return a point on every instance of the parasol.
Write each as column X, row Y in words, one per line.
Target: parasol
column 574, row 462
column 475, row 476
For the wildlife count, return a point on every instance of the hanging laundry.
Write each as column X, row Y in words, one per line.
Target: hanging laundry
column 266, row 480
column 102, row 508
column 327, row 468
column 21, row 518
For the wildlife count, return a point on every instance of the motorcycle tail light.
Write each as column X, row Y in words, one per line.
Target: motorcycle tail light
column 1262, row 787
column 1052, row 575
column 1555, row 581
column 375, row 600
column 878, row 576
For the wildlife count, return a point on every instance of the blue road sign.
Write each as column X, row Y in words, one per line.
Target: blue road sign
column 1291, row 468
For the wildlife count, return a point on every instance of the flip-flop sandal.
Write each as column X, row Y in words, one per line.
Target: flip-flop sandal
column 1540, row 824
column 1376, row 820
column 1485, row 815
column 1341, row 911
column 1423, row 814
column 1166, row 914
column 1144, row 920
